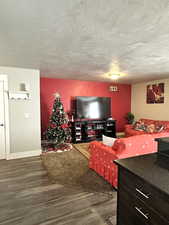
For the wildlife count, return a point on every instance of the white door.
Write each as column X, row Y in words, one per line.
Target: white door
column 2, row 122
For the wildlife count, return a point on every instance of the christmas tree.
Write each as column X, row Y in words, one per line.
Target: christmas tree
column 58, row 131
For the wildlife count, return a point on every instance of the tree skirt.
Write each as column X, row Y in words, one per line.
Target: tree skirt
column 49, row 147
column 71, row 169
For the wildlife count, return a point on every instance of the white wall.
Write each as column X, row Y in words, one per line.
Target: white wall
column 24, row 132
column 141, row 109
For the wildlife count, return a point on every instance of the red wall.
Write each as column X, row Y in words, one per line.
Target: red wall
column 121, row 100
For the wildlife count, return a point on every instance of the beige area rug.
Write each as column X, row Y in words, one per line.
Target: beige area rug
column 71, row 169
column 83, row 148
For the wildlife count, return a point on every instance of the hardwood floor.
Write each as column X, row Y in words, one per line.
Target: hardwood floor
column 27, row 197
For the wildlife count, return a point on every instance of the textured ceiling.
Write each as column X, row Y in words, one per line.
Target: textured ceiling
column 86, row 39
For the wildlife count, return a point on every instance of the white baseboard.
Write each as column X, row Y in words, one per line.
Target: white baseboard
column 19, row 155
column 2, row 156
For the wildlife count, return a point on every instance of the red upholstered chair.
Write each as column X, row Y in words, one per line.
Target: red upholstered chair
column 102, row 156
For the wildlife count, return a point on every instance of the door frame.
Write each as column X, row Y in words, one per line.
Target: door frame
column 4, row 78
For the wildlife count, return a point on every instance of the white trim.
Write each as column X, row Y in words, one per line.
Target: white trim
column 19, row 155
column 3, row 156
column 4, row 78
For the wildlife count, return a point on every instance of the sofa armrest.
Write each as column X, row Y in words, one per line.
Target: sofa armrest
column 128, row 126
column 101, row 160
column 166, row 130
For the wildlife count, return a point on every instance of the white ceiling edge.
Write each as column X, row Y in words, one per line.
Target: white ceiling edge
column 124, row 80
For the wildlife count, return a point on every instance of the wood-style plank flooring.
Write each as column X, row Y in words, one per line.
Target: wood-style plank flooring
column 27, row 197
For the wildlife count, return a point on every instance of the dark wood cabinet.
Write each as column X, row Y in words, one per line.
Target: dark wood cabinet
column 89, row 130
column 143, row 191
column 110, row 128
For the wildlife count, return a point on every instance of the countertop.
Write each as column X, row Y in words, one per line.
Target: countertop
column 165, row 139
column 152, row 168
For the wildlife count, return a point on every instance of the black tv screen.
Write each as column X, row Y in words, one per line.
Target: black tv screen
column 92, row 107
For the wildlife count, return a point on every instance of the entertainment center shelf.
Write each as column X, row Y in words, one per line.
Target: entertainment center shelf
column 90, row 130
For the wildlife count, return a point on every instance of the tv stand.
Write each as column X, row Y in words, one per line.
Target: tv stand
column 90, row 130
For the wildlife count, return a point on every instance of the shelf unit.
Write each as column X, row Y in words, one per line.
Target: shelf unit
column 21, row 95
column 89, row 130
column 77, row 131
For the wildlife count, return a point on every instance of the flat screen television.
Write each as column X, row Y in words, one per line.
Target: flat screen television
column 92, row 107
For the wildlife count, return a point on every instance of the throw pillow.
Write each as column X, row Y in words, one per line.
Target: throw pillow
column 139, row 125
column 159, row 128
column 151, row 128
column 109, row 141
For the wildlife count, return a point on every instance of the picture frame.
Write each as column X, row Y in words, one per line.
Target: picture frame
column 155, row 93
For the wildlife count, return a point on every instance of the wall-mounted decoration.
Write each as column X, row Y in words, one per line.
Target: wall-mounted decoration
column 155, row 93
column 113, row 88
column 19, row 96
column 24, row 87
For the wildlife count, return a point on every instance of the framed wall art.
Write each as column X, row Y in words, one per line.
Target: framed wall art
column 155, row 93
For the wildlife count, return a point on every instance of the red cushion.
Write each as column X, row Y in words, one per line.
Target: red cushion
column 148, row 121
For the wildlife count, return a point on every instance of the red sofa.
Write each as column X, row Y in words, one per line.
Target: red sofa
column 102, row 156
column 130, row 131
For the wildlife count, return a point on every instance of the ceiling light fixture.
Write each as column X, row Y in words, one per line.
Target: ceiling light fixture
column 114, row 76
